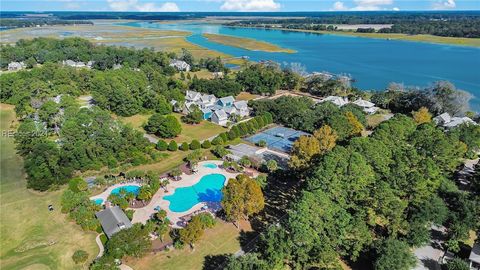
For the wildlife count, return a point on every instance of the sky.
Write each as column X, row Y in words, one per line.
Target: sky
column 235, row 5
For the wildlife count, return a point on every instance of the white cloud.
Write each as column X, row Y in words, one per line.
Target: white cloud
column 362, row 5
column 370, row 4
column 250, row 5
column 395, row 9
column 338, row 6
column 134, row 5
column 448, row 4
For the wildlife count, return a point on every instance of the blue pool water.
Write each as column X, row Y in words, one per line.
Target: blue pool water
column 210, row 165
column 98, row 201
column 373, row 63
column 208, row 189
column 131, row 189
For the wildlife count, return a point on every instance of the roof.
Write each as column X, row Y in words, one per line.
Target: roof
column 226, row 100
column 206, row 110
column 192, row 95
column 456, row 121
column 230, row 110
column 339, row 101
column 363, row 103
column 475, row 253
column 113, row 220
column 208, row 97
column 221, row 114
column 442, row 118
column 241, row 104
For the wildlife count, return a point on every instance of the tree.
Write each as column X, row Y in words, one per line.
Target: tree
column 145, row 193
column 195, row 116
column 161, row 145
column 134, row 241
column 217, row 141
column 272, row 165
column 422, row 116
column 206, row 144
column 172, row 146
column 219, row 151
column 79, row 256
column 194, row 145
column 192, row 232
column 163, row 126
column 247, row 261
column 356, row 126
column 394, row 254
column 176, row 173
column 184, row 146
column 242, row 197
column 327, row 138
column 457, row 264
column 261, row 143
column 245, row 161
column 303, row 150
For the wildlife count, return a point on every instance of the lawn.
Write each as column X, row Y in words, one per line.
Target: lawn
column 202, row 131
column 222, row 239
column 246, row 96
column 32, row 237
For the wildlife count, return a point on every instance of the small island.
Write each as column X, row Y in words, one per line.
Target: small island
column 246, row 43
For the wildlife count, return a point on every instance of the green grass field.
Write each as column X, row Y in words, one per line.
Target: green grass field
column 202, row 131
column 32, row 237
column 222, row 239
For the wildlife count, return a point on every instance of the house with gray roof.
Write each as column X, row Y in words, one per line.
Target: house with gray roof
column 12, row 66
column 226, row 101
column 113, row 220
column 180, row 65
column 242, row 108
column 220, row 117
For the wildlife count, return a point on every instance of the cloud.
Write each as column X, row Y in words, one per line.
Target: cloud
column 370, row 4
column 339, row 6
column 395, row 9
column 362, row 5
column 448, row 4
column 134, row 5
column 250, row 5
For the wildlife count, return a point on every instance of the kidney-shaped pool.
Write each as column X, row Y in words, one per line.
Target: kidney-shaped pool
column 208, row 189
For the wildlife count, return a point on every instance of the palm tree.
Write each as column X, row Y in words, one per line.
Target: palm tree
column 175, row 173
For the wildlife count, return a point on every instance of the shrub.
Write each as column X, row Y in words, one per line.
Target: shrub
column 79, row 256
column 206, row 144
column 172, row 146
column 162, row 145
column 129, row 213
column 220, row 151
column 194, row 145
column 232, row 135
column 224, row 137
column 217, row 141
column 184, row 146
column 77, row 184
column 262, row 143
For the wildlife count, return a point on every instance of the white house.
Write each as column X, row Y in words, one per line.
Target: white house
column 442, row 119
column 242, row 108
column 12, row 66
column 339, row 101
column 217, row 75
column 207, row 101
column 177, row 107
column 220, row 117
column 447, row 121
column 230, row 110
column 180, row 65
column 192, row 96
column 74, row 64
column 367, row 106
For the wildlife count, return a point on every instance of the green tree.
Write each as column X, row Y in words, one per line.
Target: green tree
column 457, row 264
column 272, row 165
column 79, row 256
column 206, row 144
column 172, row 146
column 195, row 116
column 134, row 241
column 394, row 254
column 161, row 145
column 184, row 146
column 163, row 126
column 194, row 145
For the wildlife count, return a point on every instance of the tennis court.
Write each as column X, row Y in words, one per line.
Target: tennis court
column 277, row 138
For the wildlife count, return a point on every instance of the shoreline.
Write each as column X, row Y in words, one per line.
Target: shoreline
column 246, row 43
column 430, row 39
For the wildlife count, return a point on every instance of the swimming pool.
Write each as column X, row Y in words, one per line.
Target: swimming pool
column 98, row 201
column 210, row 165
column 129, row 189
column 208, row 189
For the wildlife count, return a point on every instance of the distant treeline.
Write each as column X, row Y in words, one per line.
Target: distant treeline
column 462, row 24
column 15, row 23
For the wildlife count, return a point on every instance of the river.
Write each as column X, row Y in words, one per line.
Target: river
column 373, row 63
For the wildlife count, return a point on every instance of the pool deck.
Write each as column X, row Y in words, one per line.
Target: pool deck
column 141, row 215
column 104, row 195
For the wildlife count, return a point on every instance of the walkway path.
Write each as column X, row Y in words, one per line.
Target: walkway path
column 141, row 215
column 100, row 245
